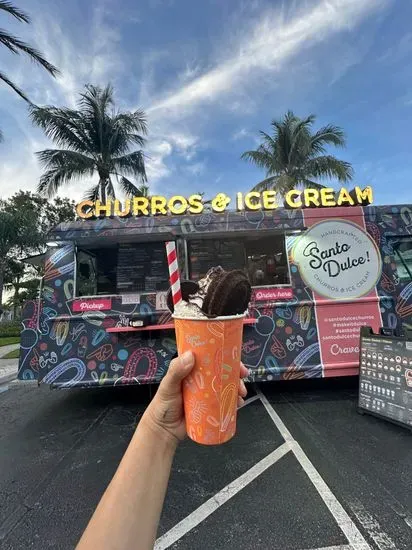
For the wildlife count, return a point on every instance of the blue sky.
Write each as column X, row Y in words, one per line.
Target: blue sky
column 210, row 74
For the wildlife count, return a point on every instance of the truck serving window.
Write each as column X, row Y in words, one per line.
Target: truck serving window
column 403, row 258
column 263, row 258
column 121, row 269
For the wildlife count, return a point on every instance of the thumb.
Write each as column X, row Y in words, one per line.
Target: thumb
column 178, row 370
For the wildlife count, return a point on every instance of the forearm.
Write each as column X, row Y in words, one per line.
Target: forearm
column 128, row 514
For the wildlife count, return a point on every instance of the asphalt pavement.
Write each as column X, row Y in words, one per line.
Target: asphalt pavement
column 305, row 471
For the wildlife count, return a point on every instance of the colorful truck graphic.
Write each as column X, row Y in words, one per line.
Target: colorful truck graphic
column 318, row 275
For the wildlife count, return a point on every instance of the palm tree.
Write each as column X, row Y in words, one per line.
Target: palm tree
column 16, row 46
column 295, row 156
column 93, row 139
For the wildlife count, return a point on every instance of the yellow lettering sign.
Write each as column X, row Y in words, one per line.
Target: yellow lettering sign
column 269, row 200
column 311, row 197
column 344, row 197
column 85, row 209
column 118, row 208
column 252, row 201
column 290, row 199
column 327, row 196
column 158, row 205
column 178, row 205
column 364, row 195
column 140, row 206
column 103, row 209
column 195, row 204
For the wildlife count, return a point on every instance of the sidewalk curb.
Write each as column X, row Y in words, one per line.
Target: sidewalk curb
column 8, row 378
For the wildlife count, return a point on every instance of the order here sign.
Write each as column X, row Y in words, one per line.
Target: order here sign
column 253, row 201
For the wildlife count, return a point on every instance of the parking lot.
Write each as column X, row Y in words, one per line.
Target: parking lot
column 305, row 471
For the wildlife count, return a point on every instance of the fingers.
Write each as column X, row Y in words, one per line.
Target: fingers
column 242, row 389
column 178, row 370
column 240, row 402
column 243, row 371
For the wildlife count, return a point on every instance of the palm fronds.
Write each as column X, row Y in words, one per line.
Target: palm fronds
column 293, row 156
column 98, row 139
column 17, row 46
column 15, row 12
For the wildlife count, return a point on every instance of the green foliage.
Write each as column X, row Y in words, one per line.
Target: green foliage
column 94, row 139
column 25, row 220
column 17, row 46
column 8, row 340
column 9, row 329
column 15, row 354
column 295, row 156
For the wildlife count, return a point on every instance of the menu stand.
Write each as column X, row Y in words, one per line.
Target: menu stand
column 385, row 376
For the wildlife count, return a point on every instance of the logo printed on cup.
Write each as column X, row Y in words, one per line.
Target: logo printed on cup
column 194, row 340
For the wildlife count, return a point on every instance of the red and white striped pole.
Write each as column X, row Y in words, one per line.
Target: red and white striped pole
column 173, row 272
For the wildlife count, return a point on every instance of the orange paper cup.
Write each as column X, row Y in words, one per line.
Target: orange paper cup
column 210, row 391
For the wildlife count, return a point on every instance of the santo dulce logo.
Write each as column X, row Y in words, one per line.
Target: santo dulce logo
column 338, row 260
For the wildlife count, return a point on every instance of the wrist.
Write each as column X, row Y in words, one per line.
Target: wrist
column 160, row 436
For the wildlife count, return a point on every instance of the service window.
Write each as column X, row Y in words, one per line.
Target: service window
column 96, row 271
column 403, row 258
column 263, row 258
column 142, row 268
column 204, row 254
column 122, row 269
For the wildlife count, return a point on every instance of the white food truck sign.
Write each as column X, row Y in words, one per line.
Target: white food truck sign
column 338, row 260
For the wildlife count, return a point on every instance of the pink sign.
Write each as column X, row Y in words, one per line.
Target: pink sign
column 272, row 294
column 92, row 304
column 338, row 260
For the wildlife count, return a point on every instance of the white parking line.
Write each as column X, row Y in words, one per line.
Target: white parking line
column 250, row 400
column 211, row 505
column 341, row 547
column 352, row 533
column 373, row 527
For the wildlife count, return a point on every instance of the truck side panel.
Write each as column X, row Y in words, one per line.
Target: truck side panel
column 67, row 349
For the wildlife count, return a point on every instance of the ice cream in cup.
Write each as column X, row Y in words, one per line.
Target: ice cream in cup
column 209, row 322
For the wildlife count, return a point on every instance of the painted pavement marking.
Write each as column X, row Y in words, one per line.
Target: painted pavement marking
column 250, row 400
column 347, row 526
column 372, row 527
column 225, row 494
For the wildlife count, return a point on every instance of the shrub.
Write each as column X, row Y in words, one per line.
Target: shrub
column 10, row 328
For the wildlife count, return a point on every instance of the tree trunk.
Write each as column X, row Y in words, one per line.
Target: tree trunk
column 16, row 298
column 102, row 185
column 1, row 284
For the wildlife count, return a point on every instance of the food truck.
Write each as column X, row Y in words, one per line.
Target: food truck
column 321, row 267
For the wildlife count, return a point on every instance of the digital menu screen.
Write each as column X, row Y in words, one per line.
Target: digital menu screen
column 142, row 268
column 385, row 380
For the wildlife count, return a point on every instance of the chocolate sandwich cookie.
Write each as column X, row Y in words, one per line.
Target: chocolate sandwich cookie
column 228, row 294
column 187, row 288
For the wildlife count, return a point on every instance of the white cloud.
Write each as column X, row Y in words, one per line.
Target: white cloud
column 267, row 46
column 94, row 57
column 250, row 56
column 196, row 169
column 157, row 152
column 241, row 134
